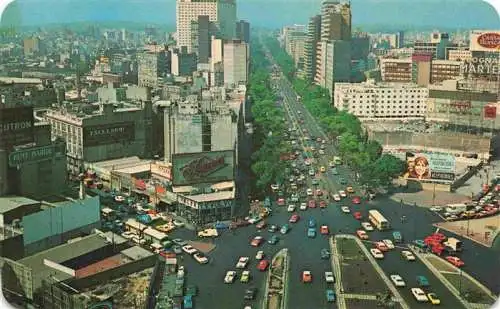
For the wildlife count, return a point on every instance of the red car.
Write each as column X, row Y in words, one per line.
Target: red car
column 324, row 230
column 322, row 204
column 261, row 225
column 381, row 246
column 456, row 261
column 319, row 192
column 356, row 200
column 294, row 218
column 263, row 264
column 312, row 204
column 256, row 241
column 357, row 215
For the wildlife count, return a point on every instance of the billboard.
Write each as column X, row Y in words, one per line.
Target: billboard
column 109, row 133
column 16, row 125
column 436, row 166
column 36, row 154
column 202, row 167
column 488, row 41
column 490, row 111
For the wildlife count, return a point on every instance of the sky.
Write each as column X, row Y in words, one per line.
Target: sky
column 401, row 14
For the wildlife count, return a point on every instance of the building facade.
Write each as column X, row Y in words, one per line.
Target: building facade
column 236, row 60
column 151, row 66
column 313, row 37
column 243, row 31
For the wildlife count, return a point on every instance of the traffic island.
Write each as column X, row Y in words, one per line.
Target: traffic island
column 275, row 296
column 356, row 303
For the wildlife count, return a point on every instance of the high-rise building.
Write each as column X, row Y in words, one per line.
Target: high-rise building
column 151, row 66
column 217, row 54
column 200, row 38
column 236, row 57
column 338, row 64
column 400, row 35
column 437, row 46
column 221, row 12
column 243, row 31
column 31, row 46
column 335, row 20
column 360, row 46
column 183, row 63
column 313, row 37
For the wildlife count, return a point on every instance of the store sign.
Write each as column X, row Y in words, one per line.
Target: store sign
column 488, row 41
column 36, row 154
column 162, row 170
column 108, row 134
column 16, row 126
column 435, row 166
column 480, row 66
column 490, row 111
column 203, row 167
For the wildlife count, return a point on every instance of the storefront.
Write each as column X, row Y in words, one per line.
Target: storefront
column 206, row 208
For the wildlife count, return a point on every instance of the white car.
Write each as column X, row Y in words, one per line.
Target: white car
column 419, row 295
column 311, row 172
column 331, row 164
column 329, row 277
column 310, row 192
column 388, row 243
column 200, row 258
column 291, row 208
column 230, row 276
column 242, row 262
column 398, row 280
column 321, row 152
column 128, row 235
column 408, row 255
column 377, row 253
column 367, row 226
column 307, row 162
column 345, row 209
column 292, row 179
column 275, row 187
column 178, row 223
column 259, row 255
column 303, row 206
column 342, row 193
column 189, row 249
column 336, row 197
column 436, row 208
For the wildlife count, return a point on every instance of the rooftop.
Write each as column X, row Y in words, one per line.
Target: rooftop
column 9, row 203
column 136, row 253
column 209, row 197
column 17, row 80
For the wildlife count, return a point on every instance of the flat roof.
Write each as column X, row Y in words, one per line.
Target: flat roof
column 136, row 253
column 18, row 80
column 136, row 169
column 99, row 266
column 155, row 233
column 8, row 203
column 223, row 185
column 209, row 197
column 135, row 224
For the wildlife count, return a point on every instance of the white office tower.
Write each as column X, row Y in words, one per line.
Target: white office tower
column 236, row 59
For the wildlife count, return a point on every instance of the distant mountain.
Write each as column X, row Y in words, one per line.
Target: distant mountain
column 396, row 14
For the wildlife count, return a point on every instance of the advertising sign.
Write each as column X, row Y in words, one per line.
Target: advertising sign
column 480, row 66
column 36, row 154
column 490, row 111
column 108, row 134
column 435, row 166
column 488, row 41
column 162, row 170
column 202, row 167
column 16, row 125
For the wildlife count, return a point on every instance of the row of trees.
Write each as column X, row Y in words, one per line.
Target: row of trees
column 268, row 122
column 363, row 156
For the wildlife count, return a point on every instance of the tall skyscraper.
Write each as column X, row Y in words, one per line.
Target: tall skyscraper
column 243, row 31
column 313, row 37
column 200, row 38
column 335, row 21
column 235, row 62
column 221, row 12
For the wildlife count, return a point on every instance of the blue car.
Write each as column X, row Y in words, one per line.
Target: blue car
column 188, row 302
column 311, row 232
column 330, row 296
column 312, row 222
column 422, row 281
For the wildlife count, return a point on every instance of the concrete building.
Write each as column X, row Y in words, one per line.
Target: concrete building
column 335, row 20
column 421, row 68
column 371, row 101
column 201, row 38
column 183, row 63
column 236, row 61
column 295, row 47
column 437, row 45
column 243, row 31
column 313, row 37
column 338, row 64
column 217, row 54
column 360, row 46
column 151, row 66
column 221, row 12
column 400, row 38
column 31, row 46
column 459, row 55
column 99, row 132
column 442, row 70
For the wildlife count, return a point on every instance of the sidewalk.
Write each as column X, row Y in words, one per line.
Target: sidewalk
column 426, row 198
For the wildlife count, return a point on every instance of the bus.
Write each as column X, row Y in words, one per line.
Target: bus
column 378, row 220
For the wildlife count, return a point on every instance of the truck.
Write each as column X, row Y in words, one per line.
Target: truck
column 208, row 233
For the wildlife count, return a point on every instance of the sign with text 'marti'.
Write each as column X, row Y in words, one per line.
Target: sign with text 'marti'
column 202, row 167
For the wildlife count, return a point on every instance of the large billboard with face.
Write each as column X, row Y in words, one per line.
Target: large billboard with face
column 436, row 166
column 109, row 133
column 485, row 40
column 202, row 167
column 16, row 125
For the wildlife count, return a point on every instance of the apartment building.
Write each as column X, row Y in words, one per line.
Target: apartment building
column 313, row 37
column 236, row 60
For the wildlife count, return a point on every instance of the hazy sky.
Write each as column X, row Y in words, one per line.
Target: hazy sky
column 269, row 13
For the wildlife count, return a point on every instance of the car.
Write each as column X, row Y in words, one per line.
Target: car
column 307, row 276
column 312, row 172
column 356, row 200
column 436, row 208
column 262, row 265
column 312, row 204
column 342, row 193
column 261, row 225
column 188, row 302
column 322, row 169
column 322, row 204
column 310, row 192
column 357, row 215
column 362, row 234
column 324, row 230
column 315, row 182
column 256, row 241
column 291, row 208
column 128, row 235
column 422, row 281
column 325, row 254
column 350, row 189
column 319, row 192
column 329, row 277
column 242, row 262
column 407, row 255
column 307, row 162
column 455, row 261
column 335, row 171
column 398, row 280
column 381, row 246
column 273, row 228
column 367, row 226
column 273, row 240
column 294, row 218
column 200, row 258
column 245, row 276
column 179, row 242
column 330, row 296
column 303, row 206
column 284, row 229
column 331, row 164
column 275, row 187
column 178, row 223
column 321, row 151
column 189, row 249
column 419, row 295
column 433, row 298
column 311, row 222
column 260, row 255
column 250, row 293
column 345, row 209
column 281, row 202
column 337, row 198
column 177, row 249
column 388, row 243
column 376, row 253
column 230, row 276
column 311, row 232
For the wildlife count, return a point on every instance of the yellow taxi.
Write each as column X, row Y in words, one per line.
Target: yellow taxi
column 322, row 169
column 350, row 190
column 433, row 298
